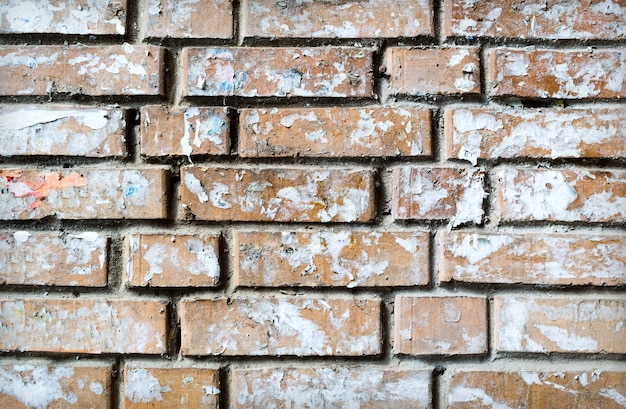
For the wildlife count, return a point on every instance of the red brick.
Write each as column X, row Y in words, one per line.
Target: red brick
column 350, row 258
column 287, row 194
column 565, row 74
column 572, row 324
column 284, row 326
column 79, row 259
column 533, row 258
column 422, row 193
column 331, row 132
column 83, row 325
column 561, row 194
column 278, row 72
column 440, row 325
column 196, row 19
column 90, row 70
column 345, row 19
column 150, row 387
column 435, row 71
column 327, row 387
column 83, row 193
column 62, row 130
column 493, row 133
column 59, row 386
column 162, row 260
column 206, row 131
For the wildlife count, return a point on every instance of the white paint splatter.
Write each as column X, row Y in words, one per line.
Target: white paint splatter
column 36, row 386
column 193, row 184
column 142, row 386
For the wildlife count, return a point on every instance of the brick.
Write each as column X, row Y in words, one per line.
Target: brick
column 162, row 260
column 561, row 195
column 533, row 258
column 83, row 325
column 335, row 132
column 568, row 19
column 206, row 131
column 569, row 74
column 433, row 71
column 494, row 133
column 54, row 259
column 581, row 325
column 83, row 193
column 197, row 19
column 346, row 19
column 56, row 386
column 91, row 17
column 278, row 194
column 532, row 389
column 327, row 387
column 349, row 258
column 422, row 193
column 440, row 325
column 299, row 326
column 62, row 131
column 278, row 72
column 146, row 387
column 89, row 70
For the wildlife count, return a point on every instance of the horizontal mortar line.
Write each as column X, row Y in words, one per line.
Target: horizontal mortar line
column 531, row 43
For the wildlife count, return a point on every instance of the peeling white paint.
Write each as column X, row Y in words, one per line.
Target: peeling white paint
column 476, row 248
column 194, row 185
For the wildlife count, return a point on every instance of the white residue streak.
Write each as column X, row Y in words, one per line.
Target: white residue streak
column 462, row 394
column 476, row 248
column 193, row 184
column 142, row 386
column 568, row 340
column 27, row 117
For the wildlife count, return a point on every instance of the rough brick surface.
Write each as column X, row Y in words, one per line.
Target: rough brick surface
column 76, row 259
column 62, row 130
column 346, row 19
column 569, row 74
column 280, row 72
column 335, row 132
column 166, row 260
column 288, row 194
column 365, row 387
column 189, row 19
column 423, row 71
column 83, row 325
column 285, row 326
column 583, row 325
column 205, row 131
column 331, row 258
column 533, row 258
column 440, row 325
column 94, row 70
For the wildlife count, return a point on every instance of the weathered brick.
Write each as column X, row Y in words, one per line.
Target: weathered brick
column 284, row 326
column 586, row 19
column 59, row 386
column 279, row 72
column 83, row 325
column 421, row 193
column 162, row 260
column 563, row 195
column 62, row 130
column 192, row 19
column 492, row 133
column 90, row 70
column 532, row 389
column 350, row 258
column 533, row 258
column 440, row 325
column 565, row 74
column 433, row 71
column 83, row 194
column 359, row 387
column 148, row 387
column 583, row 325
column 206, row 131
column 54, row 259
column 93, row 17
column 346, row 19
column 287, row 194
column 332, row 132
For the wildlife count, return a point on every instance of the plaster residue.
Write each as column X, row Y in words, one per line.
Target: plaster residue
column 142, row 387
column 206, row 260
column 195, row 186
column 461, row 394
column 476, row 248
column 37, row 386
column 200, row 128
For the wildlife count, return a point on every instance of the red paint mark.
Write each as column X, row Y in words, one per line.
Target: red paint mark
column 39, row 185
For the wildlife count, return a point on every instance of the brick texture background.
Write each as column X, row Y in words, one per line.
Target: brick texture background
column 312, row 204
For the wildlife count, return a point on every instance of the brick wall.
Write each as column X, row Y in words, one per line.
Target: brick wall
column 312, row 203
